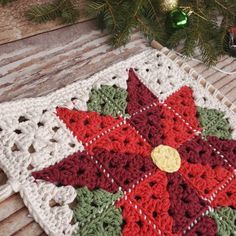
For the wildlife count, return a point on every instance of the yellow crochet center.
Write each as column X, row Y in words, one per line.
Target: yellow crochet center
column 166, row 158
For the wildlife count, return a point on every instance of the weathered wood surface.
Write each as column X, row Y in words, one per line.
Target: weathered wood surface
column 14, row 25
column 43, row 63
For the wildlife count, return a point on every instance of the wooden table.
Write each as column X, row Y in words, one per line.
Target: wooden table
column 41, row 64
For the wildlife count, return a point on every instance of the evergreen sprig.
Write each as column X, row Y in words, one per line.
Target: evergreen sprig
column 122, row 17
column 62, row 9
column 204, row 31
column 5, row 2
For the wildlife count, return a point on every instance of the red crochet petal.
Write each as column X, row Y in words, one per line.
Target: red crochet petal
column 152, row 198
column 133, row 223
column 202, row 167
column 182, row 102
column 203, row 178
column 77, row 170
column 125, row 169
column 86, row 125
column 139, row 95
column 175, row 130
column 149, row 124
column 227, row 196
column 226, row 147
column 159, row 125
column 205, row 227
column 123, row 139
column 186, row 205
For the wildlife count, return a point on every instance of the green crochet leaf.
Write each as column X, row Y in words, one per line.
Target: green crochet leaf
column 225, row 218
column 96, row 213
column 214, row 123
column 108, row 100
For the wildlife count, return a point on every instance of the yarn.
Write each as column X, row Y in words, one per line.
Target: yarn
column 182, row 102
column 108, row 100
column 227, row 148
column 120, row 154
column 225, row 218
column 96, row 213
column 166, row 158
column 96, row 138
column 77, row 170
column 139, row 95
column 213, row 122
column 207, row 227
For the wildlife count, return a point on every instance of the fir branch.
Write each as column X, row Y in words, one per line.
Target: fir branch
column 106, row 11
column 43, row 13
column 5, row 2
column 122, row 32
column 63, row 9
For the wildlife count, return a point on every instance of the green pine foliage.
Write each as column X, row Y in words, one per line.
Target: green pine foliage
column 209, row 21
column 62, row 9
column 5, row 2
column 204, row 30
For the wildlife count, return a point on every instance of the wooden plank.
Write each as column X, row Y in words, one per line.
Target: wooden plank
column 14, row 25
column 31, row 229
column 210, row 72
column 15, row 222
column 10, row 206
column 67, row 57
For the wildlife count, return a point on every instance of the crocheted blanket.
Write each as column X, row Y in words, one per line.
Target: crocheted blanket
column 140, row 148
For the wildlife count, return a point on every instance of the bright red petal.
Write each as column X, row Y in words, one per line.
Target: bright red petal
column 202, row 167
column 152, row 198
column 226, row 196
column 86, row 125
column 134, row 223
column 183, row 103
column 123, row 139
column 203, row 178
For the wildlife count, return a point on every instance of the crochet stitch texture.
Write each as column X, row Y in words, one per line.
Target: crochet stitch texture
column 93, row 143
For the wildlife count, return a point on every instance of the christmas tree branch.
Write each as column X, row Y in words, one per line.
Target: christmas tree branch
column 5, row 2
column 63, row 9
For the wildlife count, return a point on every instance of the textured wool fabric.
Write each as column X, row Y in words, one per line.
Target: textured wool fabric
column 138, row 149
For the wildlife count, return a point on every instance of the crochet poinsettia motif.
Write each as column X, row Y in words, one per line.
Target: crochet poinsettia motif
column 165, row 171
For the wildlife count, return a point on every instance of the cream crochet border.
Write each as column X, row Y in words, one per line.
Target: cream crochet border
column 31, row 192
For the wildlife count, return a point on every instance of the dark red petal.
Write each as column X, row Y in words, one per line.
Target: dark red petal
column 202, row 167
column 125, row 169
column 149, row 125
column 78, row 170
column 226, row 148
column 159, row 125
column 183, row 103
column 123, row 139
column 186, row 205
column 86, row 125
column 198, row 151
column 205, row 227
column 139, row 95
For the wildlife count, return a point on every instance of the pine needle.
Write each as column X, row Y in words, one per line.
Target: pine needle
column 62, row 9
column 5, row 2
